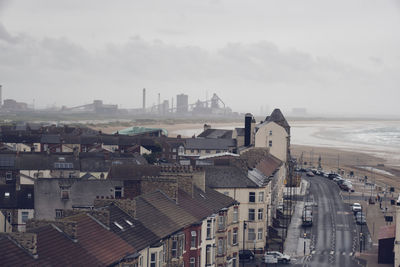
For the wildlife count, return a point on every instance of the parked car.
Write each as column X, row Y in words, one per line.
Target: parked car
column 356, row 207
column 361, row 220
column 359, row 214
column 310, row 174
column 246, row 255
column 284, row 258
column 346, row 186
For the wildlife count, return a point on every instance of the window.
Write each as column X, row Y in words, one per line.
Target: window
column 208, row 229
column 64, row 194
column 192, row 262
column 118, row 192
column 235, row 236
column 119, row 226
column 270, row 143
column 141, row 261
column 24, row 216
column 220, row 246
column 6, row 195
column 59, row 213
column 174, row 249
column 234, row 261
column 252, row 197
column 160, row 258
column 29, row 195
column 260, row 196
column 153, row 259
column 164, row 251
column 193, row 239
column 260, row 234
column 9, row 176
column 208, row 151
column 208, row 255
column 181, row 245
column 235, row 214
column 252, row 234
column 251, row 214
column 192, row 150
column 229, row 238
column 221, row 222
column 260, row 214
column 270, row 132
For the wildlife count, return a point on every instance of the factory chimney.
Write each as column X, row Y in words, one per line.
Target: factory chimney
column 1, row 96
column 144, row 99
column 247, row 129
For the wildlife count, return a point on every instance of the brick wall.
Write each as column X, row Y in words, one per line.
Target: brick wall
column 166, row 184
column 27, row 240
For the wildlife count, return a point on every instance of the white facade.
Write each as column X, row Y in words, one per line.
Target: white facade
column 208, row 242
column 274, row 137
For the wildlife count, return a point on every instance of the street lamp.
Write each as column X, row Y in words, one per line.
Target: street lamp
column 304, row 236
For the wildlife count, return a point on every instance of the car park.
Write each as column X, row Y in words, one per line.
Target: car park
column 359, row 214
column 246, row 255
column 284, row 258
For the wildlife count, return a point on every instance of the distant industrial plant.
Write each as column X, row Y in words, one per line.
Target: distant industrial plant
column 213, row 106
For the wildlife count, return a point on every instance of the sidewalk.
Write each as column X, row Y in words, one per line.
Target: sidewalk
column 294, row 243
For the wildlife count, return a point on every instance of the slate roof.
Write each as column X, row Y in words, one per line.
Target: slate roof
column 17, row 199
column 216, row 133
column 210, row 144
column 136, row 234
column 227, row 177
column 50, row 139
column 268, row 165
column 132, row 172
column 7, row 161
column 203, row 204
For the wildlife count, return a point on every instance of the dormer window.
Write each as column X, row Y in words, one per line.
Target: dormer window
column 6, row 195
column 8, row 176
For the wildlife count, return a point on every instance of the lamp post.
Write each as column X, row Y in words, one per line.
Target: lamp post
column 244, row 238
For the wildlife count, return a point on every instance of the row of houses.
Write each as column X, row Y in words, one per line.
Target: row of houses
column 206, row 198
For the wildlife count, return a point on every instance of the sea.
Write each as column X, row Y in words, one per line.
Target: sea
column 378, row 137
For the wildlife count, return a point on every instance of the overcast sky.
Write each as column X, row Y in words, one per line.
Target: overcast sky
column 339, row 56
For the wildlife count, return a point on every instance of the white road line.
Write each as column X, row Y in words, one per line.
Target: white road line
column 332, row 252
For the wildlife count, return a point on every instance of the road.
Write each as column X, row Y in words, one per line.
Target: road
column 334, row 234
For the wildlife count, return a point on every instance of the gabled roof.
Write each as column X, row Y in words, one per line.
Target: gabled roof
column 216, row 133
column 227, row 177
column 269, row 165
column 13, row 255
column 210, row 144
column 212, row 199
column 277, row 117
column 102, row 244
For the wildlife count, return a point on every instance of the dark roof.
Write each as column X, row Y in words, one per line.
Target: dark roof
column 277, row 117
column 50, row 139
column 90, row 139
column 211, row 144
column 216, row 133
column 132, row 172
column 203, row 203
column 16, row 199
column 136, row 234
column 7, row 161
column 227, row 177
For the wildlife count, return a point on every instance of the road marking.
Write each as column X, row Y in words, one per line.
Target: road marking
column 313, row 252
column 351, row 254
column 344, row 253
column 332, row 252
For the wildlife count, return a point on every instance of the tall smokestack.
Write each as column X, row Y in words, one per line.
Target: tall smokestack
column 1, row 96
column 144, row 99
column 159, row 103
